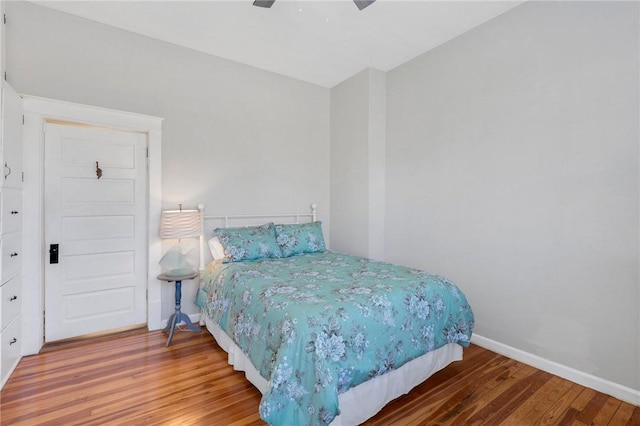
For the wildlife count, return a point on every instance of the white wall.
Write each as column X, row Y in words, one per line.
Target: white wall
column 350, row 165
column 377, row 162
column 512, row 168
column 358, row 117
column 235, row 138
column 511, row 158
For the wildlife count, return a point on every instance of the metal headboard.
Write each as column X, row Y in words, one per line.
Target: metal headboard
column 233, row 221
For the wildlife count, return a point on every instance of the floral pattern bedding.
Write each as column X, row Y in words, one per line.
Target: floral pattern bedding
column 315, row 325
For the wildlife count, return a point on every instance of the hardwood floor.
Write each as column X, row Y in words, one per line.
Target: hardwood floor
column 135, row 380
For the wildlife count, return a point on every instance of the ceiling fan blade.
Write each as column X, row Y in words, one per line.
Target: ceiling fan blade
column 264, row 3
column 363, row 3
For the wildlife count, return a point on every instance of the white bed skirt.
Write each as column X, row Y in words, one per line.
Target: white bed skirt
column 363, row 401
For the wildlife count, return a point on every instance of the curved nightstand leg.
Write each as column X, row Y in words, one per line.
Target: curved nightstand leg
column 169, row 322
column 187, row 321
column 172, row 325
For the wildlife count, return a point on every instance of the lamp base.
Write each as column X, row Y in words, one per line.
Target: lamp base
column 179, row 272
column 179, row 260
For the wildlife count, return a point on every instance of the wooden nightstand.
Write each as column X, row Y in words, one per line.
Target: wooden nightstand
column 178, row 316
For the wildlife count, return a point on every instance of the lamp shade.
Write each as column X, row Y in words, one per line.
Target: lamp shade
column 180, row 224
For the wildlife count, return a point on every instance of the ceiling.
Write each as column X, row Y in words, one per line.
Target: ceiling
column 321, row 42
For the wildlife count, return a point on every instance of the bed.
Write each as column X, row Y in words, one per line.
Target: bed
column 327, row 338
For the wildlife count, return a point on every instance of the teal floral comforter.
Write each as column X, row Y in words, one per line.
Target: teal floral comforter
column 315, row 325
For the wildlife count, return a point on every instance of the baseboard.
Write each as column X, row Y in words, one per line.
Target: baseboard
column 616, row 390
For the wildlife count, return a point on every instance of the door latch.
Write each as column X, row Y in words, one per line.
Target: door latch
column 53, row 253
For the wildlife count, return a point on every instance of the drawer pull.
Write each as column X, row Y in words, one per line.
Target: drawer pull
column 13, row 254
column 14, row 340
column 14, row 297
column 14, row 212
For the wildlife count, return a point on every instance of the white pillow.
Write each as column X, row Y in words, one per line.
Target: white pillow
column 217, row 251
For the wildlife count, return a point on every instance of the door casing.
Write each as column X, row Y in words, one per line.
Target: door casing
column 37, row 111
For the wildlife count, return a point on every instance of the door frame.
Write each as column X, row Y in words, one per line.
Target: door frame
column 37, row 111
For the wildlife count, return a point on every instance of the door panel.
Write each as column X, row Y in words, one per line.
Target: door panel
column 91, row 228
column 81, row 153
column 96, row 305
column 12, row 138
column 98, row 218
column 96, row 191
column 100, row 268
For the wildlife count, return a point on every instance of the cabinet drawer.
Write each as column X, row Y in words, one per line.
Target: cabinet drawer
column 10, row 301
column 11, row 246
column 11, row 219
column 10, row 341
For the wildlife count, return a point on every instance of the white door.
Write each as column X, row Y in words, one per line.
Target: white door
column 95, row 211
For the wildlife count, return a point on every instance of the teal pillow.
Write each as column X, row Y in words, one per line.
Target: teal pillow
column 300, row 238
column 252, row 242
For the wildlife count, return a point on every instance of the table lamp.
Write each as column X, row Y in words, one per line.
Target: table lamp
column 179, row 224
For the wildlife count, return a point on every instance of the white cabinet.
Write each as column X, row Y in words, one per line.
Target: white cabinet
column 11, row 247
column 10, row 210
column 2, row 46
column 10, row 232
column 10, row 349
column 12, row 121
column 11, row 296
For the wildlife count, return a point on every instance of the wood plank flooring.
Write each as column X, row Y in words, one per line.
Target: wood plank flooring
column 135, row 380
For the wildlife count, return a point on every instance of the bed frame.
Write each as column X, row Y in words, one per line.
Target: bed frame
column 359, row 403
